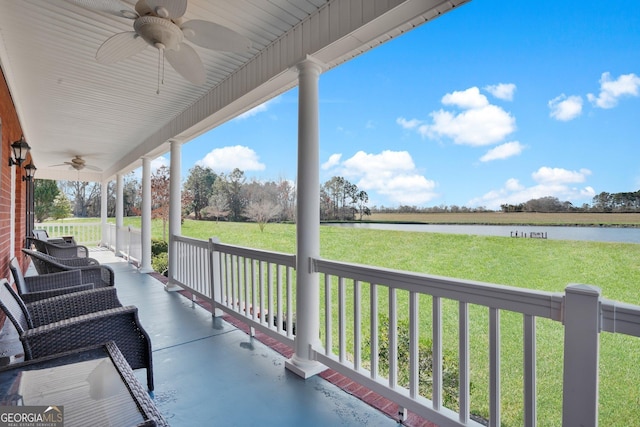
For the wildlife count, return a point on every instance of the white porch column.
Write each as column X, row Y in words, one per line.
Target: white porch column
column 307, row 223
column 119, row 214
column 175, row 214
column 104, row 192
column 145, row 262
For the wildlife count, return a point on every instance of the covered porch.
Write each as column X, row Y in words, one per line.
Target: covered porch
column 209, row 371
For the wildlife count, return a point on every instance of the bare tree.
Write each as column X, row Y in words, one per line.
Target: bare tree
column 262, row 212
column 160, row 196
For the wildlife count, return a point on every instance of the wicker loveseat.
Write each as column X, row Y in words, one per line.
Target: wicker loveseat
column 92, row 271
column 73, row 321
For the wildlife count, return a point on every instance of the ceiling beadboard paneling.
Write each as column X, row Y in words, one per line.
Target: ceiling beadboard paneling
column 69, row 104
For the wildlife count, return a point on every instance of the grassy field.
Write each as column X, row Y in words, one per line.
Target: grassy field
column 515, row 218
column 548, row 265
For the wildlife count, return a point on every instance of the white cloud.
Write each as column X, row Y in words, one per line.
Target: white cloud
column 504, row 151
column 334, row 160
column 549, row 182
column 158, row 162
column 226, row 159
column 466, row 99
column 480, row 123
column 391, row 174
column 612, row 90
column 408, row 124
column 547, row 175
column 502, row 91
column 565, row 108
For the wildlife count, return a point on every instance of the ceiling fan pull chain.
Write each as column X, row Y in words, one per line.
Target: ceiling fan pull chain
column 158, row 83
column 160, row 69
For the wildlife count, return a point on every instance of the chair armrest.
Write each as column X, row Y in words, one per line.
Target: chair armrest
column 76, row 304
column 52, row 281
column 40, row 295
column 100, row 275
column 75, row 261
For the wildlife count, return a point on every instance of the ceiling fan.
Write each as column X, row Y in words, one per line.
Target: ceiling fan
column 78, row 163
column 159, row 23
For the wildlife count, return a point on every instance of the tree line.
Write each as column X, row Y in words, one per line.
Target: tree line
column 206, row 195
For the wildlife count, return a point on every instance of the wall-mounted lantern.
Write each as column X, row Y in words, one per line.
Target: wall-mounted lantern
column 20, row 150
column 29, row 171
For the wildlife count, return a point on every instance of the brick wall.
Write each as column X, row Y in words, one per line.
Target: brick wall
column 11, row 131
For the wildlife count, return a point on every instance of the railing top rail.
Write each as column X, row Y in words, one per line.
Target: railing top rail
column 195, row 242
column 287, row 260
column 531, row 302
column 620, row 318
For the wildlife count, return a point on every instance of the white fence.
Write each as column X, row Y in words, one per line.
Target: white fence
column 84, row 233
column 257, row 287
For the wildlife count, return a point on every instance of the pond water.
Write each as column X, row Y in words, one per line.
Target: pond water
column 599, row 234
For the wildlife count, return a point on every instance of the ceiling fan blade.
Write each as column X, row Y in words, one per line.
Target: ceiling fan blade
column 113, row 7
column 187, row 63
column 168, row 8
column 120, row 46
column 215, row 36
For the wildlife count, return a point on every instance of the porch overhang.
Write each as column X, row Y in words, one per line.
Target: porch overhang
column 70, row 105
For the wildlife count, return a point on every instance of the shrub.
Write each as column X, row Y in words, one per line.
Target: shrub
column 160, row 262
column 158, row 246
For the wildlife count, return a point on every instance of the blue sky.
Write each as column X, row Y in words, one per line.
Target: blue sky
column 498, row 101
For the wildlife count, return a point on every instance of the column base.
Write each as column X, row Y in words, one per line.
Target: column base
column 304, row 368
column 172, row 287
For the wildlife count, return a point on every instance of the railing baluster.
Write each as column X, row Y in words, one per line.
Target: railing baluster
column 436, row 318
column 289, row 302
column 529, row 371
column 279, row 298
column 254, row 295
column 373, row 302
column 342, row 320
column 393, row 338
column 247, row 284
column 414, row 353
column 269, row 295
column 262, row 291
column 357, row 325
column 463, row 360
column 328, row 317
column 494, row 367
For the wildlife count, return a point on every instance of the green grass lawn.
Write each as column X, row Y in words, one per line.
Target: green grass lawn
column 548, row 265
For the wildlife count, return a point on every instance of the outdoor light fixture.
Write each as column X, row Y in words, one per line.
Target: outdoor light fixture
column 20, row 150
column 29, row 171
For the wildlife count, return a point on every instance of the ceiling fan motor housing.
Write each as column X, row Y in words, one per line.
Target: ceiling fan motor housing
column 158, row 32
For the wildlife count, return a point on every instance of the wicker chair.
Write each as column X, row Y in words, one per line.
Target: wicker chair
column 92, row 271
column 81, row 319
column 59, row 249
column 34, row 288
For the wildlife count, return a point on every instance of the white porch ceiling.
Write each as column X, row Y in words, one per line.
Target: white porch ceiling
column 69, row 104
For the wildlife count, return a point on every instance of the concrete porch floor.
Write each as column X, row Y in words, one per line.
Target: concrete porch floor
column 209, row 372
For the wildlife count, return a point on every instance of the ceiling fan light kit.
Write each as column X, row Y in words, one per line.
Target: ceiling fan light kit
column 159, row 23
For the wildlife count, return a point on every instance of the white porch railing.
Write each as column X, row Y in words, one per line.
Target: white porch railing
column 256, row 287
column 130, row 239
column 84, row 233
